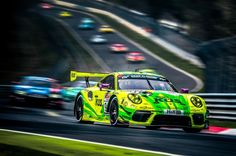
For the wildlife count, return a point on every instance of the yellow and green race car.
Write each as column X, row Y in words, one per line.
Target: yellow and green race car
column 138, row 98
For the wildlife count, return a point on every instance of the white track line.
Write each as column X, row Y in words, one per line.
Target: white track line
column 90, row 142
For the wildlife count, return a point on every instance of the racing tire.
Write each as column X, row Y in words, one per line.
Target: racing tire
column 114, row 112
column 192, row 130
column 78, row 111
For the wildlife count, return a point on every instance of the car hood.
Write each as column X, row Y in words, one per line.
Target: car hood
column 160, row 100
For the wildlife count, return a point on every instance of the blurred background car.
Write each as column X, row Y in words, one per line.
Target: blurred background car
column 105, row 29
column 65, row 14
column 118, row 48
column 86, row 23
column 135, row 57
column 86, row 26
column 46, row 6
column 148, row 70
column 34, row 90
column 98, row 39
column 71, row 89
column 87, row 20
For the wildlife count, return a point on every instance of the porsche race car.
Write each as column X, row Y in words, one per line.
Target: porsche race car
column 138, row 98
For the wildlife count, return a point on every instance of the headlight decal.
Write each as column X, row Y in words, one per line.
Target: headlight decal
column 135, row 98
column 196, row 101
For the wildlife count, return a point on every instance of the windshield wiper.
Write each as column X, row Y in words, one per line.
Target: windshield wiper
column 151, row 87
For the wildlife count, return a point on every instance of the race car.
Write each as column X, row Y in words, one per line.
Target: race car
column 86, row 26
column 118, row 48
column 46, row 6
column 86, row 23
column 71, row 89
column 34, row 89
column 65, row 14
column 105, row 29
column 98, row 39
column 135, row 57
column 87, row 20
column 137, row 98
column 148, row 70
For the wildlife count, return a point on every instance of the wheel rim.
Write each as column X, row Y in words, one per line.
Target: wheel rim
column 79, row 109
column 113, row 113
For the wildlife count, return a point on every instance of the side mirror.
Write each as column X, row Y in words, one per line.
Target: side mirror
column 104, row 86
column 184, row 90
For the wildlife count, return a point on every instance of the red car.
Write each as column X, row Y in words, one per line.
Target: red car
column 46, row 6
column 118, row 48
column 135, row 57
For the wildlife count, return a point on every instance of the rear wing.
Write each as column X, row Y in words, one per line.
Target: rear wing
column 75, row 74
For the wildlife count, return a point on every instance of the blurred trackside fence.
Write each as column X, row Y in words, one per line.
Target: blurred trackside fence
column 221, row 105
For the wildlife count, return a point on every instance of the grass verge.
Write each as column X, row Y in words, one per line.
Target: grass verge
column 153, row 47
column 222, row 123
column 12, row 143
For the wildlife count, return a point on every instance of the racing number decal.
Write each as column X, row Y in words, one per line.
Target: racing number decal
column 106, row 100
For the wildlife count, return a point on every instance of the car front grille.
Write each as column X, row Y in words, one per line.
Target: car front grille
column 171, row 120
column 141, row 116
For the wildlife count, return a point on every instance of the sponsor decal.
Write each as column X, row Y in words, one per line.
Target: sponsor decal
column 90, row 96
column 173, row 112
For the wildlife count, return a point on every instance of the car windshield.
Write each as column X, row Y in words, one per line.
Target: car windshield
column 144, row 83
column 135, row 54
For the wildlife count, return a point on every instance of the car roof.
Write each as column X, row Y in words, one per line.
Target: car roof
column 134, row 53
column 38, row 78
column 118, row 44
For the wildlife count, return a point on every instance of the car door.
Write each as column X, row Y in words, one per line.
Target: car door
column 101, row 94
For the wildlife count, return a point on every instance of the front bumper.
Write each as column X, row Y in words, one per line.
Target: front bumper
column 152, row 118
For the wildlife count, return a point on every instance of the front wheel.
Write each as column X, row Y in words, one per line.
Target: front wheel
column 113, row 112
column 192, row 130
column 78, row 109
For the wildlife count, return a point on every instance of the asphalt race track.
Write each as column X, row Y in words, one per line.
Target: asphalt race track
column 117, row 62
column 62, row 123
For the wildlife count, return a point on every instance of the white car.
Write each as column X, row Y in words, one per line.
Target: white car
column 98, row 39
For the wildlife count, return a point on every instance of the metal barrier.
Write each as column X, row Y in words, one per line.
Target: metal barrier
column 220, row 105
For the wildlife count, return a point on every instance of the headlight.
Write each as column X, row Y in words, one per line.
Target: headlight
column 20, row 92
column 55, row 96
column 196, row 101
column 135, row 98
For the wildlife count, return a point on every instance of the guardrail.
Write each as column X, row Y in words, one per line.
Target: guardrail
column 220, row 105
